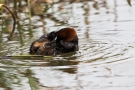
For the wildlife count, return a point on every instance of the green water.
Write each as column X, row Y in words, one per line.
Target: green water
column 105, row 60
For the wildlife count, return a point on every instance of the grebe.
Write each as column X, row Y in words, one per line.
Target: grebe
column 63, row 41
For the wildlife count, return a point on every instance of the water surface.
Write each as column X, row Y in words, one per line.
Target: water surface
column 105, row 60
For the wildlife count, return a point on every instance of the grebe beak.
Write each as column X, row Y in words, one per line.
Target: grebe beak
column 54, row 40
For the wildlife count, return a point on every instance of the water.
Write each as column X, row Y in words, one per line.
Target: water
column 105, row 60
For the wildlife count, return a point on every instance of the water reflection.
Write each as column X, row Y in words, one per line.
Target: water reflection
column 106, row 39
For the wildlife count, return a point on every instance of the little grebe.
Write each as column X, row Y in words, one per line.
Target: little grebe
column 63, row 41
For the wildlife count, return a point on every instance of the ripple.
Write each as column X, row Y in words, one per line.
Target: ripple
column 104, row 53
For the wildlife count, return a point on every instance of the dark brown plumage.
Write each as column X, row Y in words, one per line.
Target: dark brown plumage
column 66, row 40
column 63, row 41
column 38, row 46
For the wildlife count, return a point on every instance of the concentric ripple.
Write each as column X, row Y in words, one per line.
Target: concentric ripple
column 103, row 53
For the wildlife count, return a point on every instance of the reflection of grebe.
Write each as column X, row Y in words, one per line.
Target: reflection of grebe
column 63, row 41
